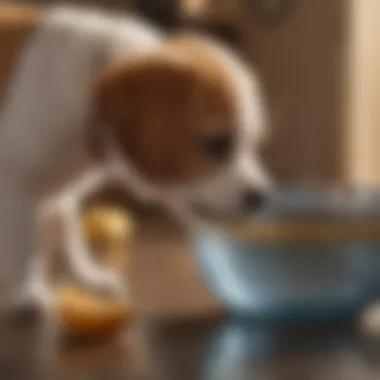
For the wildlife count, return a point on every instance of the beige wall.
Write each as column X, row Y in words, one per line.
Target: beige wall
column 363, row 94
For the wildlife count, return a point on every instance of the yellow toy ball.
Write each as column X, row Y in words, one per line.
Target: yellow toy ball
column 108, row 231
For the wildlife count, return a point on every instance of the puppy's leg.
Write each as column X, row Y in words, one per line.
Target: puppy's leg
column 36, row 297
column 17, row 236
column 35, row 291
column 80, row 261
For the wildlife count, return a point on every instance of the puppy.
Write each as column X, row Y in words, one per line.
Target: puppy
column 177, row 119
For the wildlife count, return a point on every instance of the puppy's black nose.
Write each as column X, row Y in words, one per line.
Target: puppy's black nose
column 252, row 200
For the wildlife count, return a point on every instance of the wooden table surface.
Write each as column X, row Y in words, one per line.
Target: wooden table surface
column 181, row 333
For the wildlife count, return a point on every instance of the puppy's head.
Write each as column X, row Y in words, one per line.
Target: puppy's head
column 188, row 117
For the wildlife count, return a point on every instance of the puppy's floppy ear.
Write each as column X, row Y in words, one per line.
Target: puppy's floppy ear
column 143, row 104
column 147, row 83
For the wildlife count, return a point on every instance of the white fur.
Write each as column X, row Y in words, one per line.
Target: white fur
column 222, row 193
column 43, row 123
column 45, row 116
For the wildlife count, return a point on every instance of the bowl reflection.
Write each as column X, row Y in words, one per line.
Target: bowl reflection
column 242, row 350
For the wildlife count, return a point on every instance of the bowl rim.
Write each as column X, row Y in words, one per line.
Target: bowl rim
column 304, row 231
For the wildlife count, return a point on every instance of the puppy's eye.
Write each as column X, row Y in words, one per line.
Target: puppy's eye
column 218, row 146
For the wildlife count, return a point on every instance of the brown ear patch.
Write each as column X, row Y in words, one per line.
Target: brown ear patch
column 143, row 83
column 157, row 109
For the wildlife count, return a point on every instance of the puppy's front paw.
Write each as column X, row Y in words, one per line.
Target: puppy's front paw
column 34, row 300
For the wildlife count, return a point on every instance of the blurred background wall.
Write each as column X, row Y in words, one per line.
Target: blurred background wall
column 309, row 54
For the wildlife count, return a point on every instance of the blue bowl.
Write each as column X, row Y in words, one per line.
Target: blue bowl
column 326, row 267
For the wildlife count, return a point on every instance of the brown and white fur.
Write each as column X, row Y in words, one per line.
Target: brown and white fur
column 153, row 97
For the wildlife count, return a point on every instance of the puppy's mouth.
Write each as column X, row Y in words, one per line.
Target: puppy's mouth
column 214, row 216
